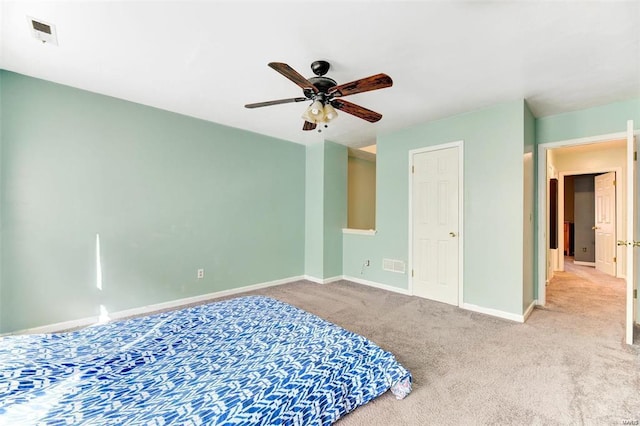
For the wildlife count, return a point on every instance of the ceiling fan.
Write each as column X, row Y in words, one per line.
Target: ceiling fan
column 326, row 95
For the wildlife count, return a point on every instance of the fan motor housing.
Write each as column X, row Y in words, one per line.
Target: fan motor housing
column 323, row 84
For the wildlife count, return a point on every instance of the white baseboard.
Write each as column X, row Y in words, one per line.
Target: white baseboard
column 56, row 327
column 468, row 306
column 322, row 280
column 493, row 312
column 529, row 310
column 84, row 322
column 378, row 285
column 579, row 262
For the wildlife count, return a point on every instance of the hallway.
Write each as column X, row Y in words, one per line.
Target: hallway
column 590, row 297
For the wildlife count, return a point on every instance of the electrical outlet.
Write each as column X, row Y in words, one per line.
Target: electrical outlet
column 365, row 264
column 200, row 274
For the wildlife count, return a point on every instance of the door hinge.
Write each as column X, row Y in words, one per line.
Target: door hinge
column 413, row 169
column 614, row 183
column 615, row 259
column 635, row 156
column 635, row 293
column 412, row 273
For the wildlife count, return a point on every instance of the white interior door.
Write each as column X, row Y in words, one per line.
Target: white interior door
column 435, row 214
column 630, row 233
column 605, row 222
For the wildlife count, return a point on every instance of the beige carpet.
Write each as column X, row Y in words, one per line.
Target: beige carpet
column 566, row 365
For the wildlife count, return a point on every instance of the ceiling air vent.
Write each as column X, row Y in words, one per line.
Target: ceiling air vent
column 43, row 31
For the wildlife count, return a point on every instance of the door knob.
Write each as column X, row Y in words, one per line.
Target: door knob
column 595, row 227
column 453, row 234
column 629, row 243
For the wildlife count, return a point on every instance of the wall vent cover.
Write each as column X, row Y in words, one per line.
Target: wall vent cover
column 43, row 31
column 393, row 265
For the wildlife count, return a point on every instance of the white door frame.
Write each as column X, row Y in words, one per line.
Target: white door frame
column 542, row 199
column 460, row 146
column 631, row 233
column 619, row 195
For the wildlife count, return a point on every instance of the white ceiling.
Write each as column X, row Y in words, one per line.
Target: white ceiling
column 207, row 59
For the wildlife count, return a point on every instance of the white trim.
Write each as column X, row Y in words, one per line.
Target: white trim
column 630, row 276
column 377, row 285
column 494, row 312
column 542, row 200
column 580, row 262
column 542, row 223
column 359, row 231
column 529, row 310
column 585, row 140
column 467, row 306
column 460, row 145
column 84, row 322
column 59, row 326
column 322, row 280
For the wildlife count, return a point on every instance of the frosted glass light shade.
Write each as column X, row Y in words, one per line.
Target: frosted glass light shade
column 315, row 113
column 316, row 108
column 307, row 116
column 329, row 113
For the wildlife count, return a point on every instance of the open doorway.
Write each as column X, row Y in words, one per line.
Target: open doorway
column 582, row 217
column 592, row 155
column 590, row 221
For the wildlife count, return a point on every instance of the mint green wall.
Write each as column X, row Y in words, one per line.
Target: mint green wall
column 335, row 206
column 1, row 291
column 314, row 207
column 168, row 194
column 493, row 197
column 600, row 120
column 326, row 209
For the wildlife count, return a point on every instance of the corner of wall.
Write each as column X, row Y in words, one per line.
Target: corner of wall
column 529, row 127
column 314, row 208
column 335, row 206
column 530, row 230
column 325, row 208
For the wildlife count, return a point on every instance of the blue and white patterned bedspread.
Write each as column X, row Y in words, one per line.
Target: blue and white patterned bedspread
column 250, row 360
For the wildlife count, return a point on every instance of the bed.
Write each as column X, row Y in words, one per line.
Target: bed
column 249, row 360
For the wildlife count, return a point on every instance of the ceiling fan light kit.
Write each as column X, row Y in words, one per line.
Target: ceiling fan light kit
column 315, row 112
column 323, row 92
column 319, row 112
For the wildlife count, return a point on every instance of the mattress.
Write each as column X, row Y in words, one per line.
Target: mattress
column 249, row 360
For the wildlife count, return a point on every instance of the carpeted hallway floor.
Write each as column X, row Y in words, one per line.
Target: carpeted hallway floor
column 566, row 365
